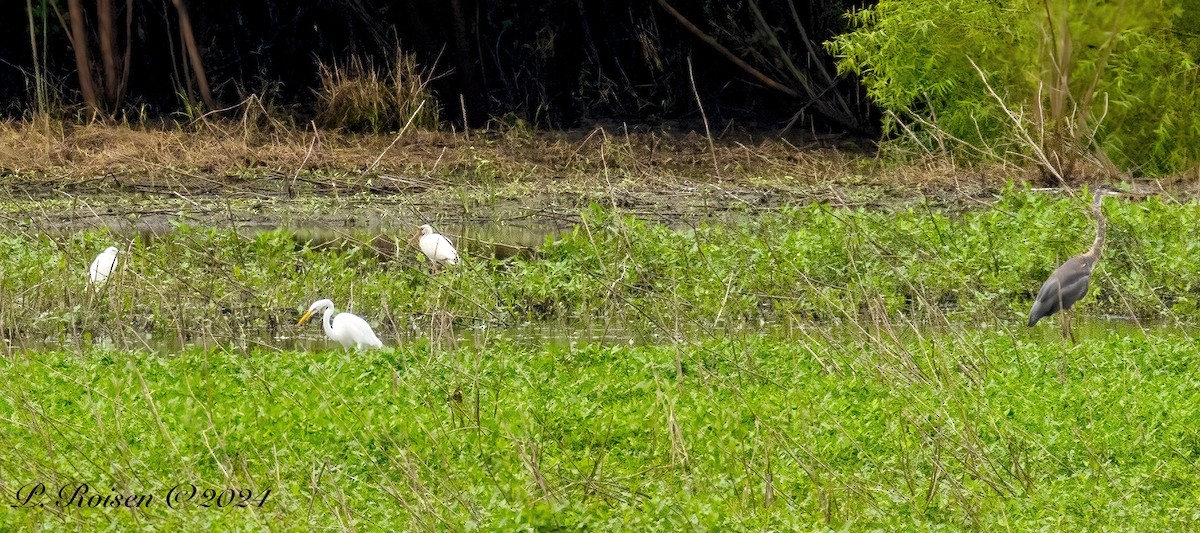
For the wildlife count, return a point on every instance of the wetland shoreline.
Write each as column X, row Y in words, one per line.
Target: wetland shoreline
column 764, row 345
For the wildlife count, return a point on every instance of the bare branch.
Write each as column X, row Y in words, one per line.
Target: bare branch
column 755, row 73
column 773, row 40
column 1039, row 153
column 842, row 112
column 814, row 58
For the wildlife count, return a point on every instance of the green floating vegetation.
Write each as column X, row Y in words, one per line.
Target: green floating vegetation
column 818, row 367
column 962, row 429
column 809, row 264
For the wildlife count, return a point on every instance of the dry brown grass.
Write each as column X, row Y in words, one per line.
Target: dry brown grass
column 216, row 153
column 359, row 97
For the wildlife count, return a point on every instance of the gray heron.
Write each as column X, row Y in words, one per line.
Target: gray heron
column 1069, row 282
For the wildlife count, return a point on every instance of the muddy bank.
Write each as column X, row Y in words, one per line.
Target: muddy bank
column 550, row 202
column 146, row 180
column 542, row 206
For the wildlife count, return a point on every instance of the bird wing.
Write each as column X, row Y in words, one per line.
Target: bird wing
column 438, row 248
column 1075, row 287
column 1065, row 286
column 428, row 246
column 1046, row 303
column 102, row 266
column 350, row 329
column 447, row 248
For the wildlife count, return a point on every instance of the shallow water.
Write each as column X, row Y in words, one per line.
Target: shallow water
column 310, row 338
column 608, row 332
column 479, row 238
column 502, row 239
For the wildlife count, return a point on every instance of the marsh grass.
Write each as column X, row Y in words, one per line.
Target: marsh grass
column 821, row 366
column 813, row 264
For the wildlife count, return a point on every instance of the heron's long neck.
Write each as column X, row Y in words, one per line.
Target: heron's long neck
column 1101, row 223
column 328, row 321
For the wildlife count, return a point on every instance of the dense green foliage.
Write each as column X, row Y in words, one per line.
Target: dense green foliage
column 927, row 430
column 1131, row 75
column 897, row 389
column 815, row 263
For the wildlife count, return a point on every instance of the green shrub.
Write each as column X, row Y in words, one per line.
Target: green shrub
column 1120, row 73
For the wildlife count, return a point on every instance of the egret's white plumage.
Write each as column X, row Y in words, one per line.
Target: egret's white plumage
column 348, row 329
column 437, row 247
column 103, row 265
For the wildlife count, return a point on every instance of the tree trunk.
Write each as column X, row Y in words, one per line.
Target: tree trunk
column 128, row 48
column 474, row 98
column 106, row 28
column 193, row 53
column 83, row 64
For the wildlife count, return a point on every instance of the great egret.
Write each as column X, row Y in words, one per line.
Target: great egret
column 436, row 247
column 103, row 265
column 348, row 329
column 1069, row 282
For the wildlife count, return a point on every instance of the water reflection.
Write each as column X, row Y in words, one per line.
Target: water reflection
column 550, row 333
column 568, row 334
column 502, row 239
column 480, row 238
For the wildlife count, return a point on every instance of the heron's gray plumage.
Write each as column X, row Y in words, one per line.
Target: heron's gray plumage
column 1069, row 282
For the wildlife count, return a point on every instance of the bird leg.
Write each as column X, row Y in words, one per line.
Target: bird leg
column 1062, row 324
column 1071, row 328
column 1068, row 331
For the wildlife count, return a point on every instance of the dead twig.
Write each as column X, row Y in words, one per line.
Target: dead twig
column 709, row 40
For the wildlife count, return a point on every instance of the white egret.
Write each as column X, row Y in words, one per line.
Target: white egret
column 435, row 246
column 348, row 329
column 103, row 265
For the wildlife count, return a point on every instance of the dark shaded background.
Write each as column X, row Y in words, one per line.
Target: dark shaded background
column 554, row 63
